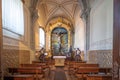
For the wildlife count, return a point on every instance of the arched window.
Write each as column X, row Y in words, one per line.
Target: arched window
column 41, row 37
column 12, row 16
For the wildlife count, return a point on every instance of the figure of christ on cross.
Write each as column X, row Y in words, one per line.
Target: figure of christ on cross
column 59, row 36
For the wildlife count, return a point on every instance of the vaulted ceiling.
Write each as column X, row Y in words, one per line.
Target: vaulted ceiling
column 58, row 8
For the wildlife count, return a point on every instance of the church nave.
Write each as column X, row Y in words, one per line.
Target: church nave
column 59, row 40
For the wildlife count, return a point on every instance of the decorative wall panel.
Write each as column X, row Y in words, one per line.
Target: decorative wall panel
column 12, row 58
column 102, row 57
column 24, row 56
column 10, row 41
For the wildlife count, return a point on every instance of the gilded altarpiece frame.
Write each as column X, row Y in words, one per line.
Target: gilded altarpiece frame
column 59, row 41
column 49, row 30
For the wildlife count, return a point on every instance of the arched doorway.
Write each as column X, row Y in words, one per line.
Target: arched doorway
column 59, row 41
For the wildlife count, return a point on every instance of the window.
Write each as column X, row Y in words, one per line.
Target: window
column 41, row 37
column 12, row 16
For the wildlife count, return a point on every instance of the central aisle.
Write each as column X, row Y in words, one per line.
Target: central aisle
column 60, row 74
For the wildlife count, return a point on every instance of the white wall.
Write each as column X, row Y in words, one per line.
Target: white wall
column 79, row 32
column 36, row 29
column 16, row 41
column 101, row 25
column 42, row 16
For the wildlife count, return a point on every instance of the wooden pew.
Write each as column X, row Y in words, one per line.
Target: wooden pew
column 30, row 65
column 43, row 66
column 105, row 70
column 73, row 64
column 30, row 70
column 19, row 77
column 86, row 65
column 25, row 70
column 36, row 72
column 74, row 67
column 99, row 77
column 38, row 62
column 82, row 72
column 71, row 67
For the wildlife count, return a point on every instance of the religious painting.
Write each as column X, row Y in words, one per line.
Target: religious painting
column 59, row 41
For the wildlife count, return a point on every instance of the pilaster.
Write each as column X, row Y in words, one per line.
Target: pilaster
column 86, row 17
column 116, row 40
column 1, row 37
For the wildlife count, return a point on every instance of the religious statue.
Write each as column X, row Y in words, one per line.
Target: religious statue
column 60, row 35
column 42, row 55
column 78, row 55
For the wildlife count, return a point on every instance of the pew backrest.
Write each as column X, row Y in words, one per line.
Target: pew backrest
column 87, row 70
column 26, row 70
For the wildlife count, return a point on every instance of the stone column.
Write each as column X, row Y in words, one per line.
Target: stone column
column 1, row 37
column 86, row 17
column 87, row 29
column 34, row 17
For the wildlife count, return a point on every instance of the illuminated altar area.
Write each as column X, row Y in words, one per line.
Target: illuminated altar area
column 59, row 60
column 57, row 27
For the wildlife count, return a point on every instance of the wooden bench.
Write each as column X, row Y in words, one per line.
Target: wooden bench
column 26, row 70
column 105, row 70
column 38, row 62
column 72, row 64
column 82, row 72
column 43, row 66
column 36, row 72
column 19, row 77
column 99, row 77
column 86, row 65
column 74, row 67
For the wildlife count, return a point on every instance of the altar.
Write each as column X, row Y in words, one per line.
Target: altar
column 59, row 60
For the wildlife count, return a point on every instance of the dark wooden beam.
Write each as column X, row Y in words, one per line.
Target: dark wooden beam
column 1, row 42
column 116, row 41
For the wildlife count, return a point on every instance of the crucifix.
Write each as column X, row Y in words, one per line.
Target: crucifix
column 60, row 35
